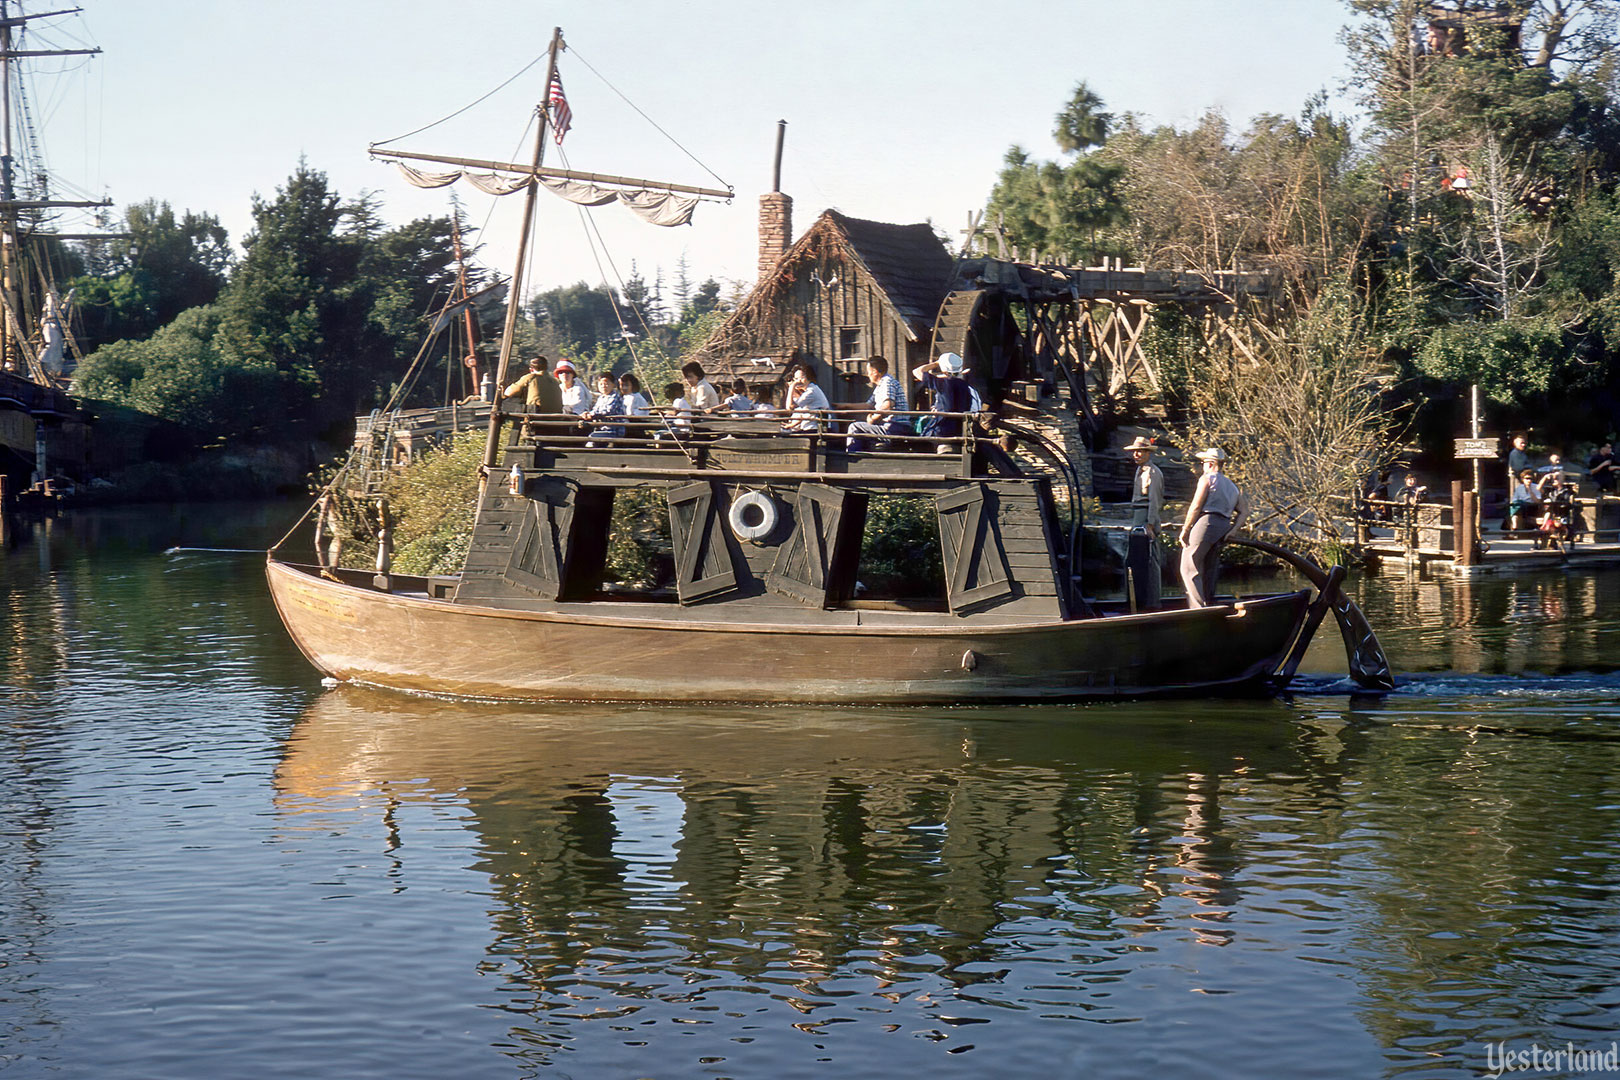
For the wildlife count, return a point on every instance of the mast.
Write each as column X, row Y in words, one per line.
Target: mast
column 13, row 336
column 514, row 298
column 461, row 285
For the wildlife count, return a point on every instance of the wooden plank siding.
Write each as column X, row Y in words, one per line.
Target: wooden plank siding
column 770, row 579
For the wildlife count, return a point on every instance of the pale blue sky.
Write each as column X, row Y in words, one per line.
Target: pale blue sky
column 897, row 110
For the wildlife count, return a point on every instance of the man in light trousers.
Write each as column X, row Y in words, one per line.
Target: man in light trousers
column 1216, row 509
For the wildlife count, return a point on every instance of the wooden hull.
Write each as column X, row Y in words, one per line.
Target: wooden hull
column 413, row 643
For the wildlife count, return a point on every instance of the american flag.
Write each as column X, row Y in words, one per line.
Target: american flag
column 561, row 115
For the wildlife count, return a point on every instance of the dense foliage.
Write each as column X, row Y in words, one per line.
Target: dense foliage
column 315, row 324
column 1464, row 231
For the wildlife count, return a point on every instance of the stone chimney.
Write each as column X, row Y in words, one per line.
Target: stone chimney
column 775, row 230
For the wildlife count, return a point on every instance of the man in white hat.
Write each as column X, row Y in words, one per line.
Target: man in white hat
column 1144, row 557
column 1216, row 509
column 950, row 393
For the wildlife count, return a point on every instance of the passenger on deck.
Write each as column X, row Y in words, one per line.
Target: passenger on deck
column 806, row 403
column 635, row 402
column 949, row 392
column 700, row 392
column 541, row 391
column 1217, row 508
column 678, row 412
column 575, row 398
column 739, row 401
column 887, row 398
column 608, row 405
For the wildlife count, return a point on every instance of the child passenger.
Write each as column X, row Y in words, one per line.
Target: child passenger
column 608, row 404
column 679, row 411
column 739, row 401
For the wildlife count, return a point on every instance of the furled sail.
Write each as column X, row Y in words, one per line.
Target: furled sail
column 657, row 207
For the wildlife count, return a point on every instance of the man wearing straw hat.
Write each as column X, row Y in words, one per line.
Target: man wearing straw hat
column 1143, row 555
column 1216, row 509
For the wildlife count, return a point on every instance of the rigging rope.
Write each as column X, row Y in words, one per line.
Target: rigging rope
column 700, row 164
column 590, row 228
column 469, row 105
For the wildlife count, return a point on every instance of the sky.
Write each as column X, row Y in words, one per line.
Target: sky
column 896, row 110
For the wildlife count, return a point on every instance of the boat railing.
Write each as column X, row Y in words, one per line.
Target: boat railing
column 664, row 427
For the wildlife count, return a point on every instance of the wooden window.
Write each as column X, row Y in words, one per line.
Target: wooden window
column 850, row 343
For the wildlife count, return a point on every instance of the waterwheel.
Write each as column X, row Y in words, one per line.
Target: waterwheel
column 978, row 326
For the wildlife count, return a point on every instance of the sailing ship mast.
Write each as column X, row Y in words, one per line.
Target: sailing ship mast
column 535, row 172
column 16, row 347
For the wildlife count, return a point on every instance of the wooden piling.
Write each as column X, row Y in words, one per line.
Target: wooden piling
column 1467, row 502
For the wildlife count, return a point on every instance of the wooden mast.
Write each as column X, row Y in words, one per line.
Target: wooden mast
column 468, row 315
column 14, row 345
column 514, row 298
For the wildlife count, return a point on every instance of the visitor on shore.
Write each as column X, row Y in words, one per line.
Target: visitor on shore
column 1144, row 555
column 1524, row 505
column 1518, row 456
column 948, row 391
column 1375, row 505
column 1411, row 494
column 1561, row 518
column 1517, row 463
column 886, row 398
column 1217, row 508
column 575, row 398
column 1602, row 468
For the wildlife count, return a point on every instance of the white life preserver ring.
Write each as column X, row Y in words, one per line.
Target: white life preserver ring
column 753, row 516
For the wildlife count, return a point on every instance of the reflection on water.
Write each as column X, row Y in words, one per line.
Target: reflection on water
column 211, row 867
column 1545, row 622
column 929, row 890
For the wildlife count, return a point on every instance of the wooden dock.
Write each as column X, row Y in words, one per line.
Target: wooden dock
column 1425, row 537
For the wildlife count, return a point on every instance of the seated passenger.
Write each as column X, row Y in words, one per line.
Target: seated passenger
column 886, row 399
column 949, row 393
column 608, row 405
column 575, row 398
column 806, row 403
column 739, row 401
column 678, row 413
column 635, row 404
column 701, row 395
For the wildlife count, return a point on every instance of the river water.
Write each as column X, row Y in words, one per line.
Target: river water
column 211, row 866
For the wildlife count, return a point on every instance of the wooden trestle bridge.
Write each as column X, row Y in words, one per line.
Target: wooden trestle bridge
column 1083, row 327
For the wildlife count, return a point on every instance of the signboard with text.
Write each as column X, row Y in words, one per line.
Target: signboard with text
column 1478, row 448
